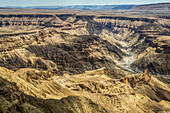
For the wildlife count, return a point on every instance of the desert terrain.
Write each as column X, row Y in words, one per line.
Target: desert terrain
column 85, row 61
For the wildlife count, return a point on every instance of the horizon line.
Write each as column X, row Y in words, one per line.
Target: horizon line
column 89, row 4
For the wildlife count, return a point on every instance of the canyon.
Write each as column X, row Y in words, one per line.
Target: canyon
column 77, row 63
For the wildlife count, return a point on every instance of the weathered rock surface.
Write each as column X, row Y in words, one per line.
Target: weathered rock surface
column 143, row 42
column 78, row 64
column 58, row 52
column 92, row 91
column 12, row 100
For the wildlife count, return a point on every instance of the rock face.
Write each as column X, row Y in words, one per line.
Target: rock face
column 92, row 91
column 84, row 64
column 12, row 100
column 58, row 51
column 76, row 43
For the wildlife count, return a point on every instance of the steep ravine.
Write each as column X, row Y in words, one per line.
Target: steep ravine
column 147, row 40
column 128, row 59
column 83, row 64
column 133, row 44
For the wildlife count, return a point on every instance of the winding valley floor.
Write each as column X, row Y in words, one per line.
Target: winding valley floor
column 68, row 63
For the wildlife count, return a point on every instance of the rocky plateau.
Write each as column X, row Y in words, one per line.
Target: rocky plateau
column 70, row 63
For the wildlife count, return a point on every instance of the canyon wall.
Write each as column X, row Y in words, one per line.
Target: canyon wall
column 129, row 43
column 68, row 63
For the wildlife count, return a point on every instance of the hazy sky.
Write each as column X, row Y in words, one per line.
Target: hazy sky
column 74, row 2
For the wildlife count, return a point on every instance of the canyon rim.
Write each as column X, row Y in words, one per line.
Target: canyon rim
column 85, row 59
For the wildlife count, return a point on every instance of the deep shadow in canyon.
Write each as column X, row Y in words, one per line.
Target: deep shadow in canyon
column 77, row 63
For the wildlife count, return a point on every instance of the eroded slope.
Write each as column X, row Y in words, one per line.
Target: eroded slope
column 138, row 43
column 92, row 91
column 78, row 63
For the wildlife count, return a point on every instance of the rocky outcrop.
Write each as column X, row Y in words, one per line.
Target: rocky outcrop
column 138, row 41
column 55, row 63
column 58, row 52
column 92, row 91
column 12, row 100
column 134, row 80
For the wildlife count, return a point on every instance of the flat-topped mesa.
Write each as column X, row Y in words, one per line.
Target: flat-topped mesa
column 128, row 18
column 145, row 77
column 61, row 20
